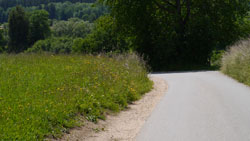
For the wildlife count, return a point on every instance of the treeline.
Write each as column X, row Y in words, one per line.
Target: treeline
column 176, row 34
column 64, row 11
column 34, row 32
column 5, row 4
column 171, row 36
column 78, row 36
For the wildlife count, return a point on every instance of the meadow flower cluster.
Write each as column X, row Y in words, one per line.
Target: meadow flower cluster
column 44, row 95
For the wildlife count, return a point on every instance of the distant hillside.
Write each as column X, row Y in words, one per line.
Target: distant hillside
column 27, row 3
column 58, row 9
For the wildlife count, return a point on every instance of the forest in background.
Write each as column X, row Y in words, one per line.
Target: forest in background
column 58, row 9
column 171, row 35
column 77, row 58
column 28, row 3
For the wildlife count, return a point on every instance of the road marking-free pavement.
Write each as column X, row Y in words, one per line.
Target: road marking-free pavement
column 200, row 106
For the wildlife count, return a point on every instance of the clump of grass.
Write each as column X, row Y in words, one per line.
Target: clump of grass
column 42, row 95
column 236, row 61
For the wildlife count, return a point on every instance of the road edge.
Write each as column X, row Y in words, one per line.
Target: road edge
column 125, row 125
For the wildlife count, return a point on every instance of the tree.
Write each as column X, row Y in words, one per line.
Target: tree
column 18, row 30
column 177, row 33
column 61, row 11
column 103, row 38
column 51, row 8
column 2, row 40
column 54, row 45
column 39, row 26
column 26, row 3
column 74, row 27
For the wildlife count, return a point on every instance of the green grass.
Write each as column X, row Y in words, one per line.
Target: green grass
column 236, row 62
column 42, row 95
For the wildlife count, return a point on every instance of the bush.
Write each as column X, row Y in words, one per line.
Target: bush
column 53, row 45
column 216, row 58
column 103, row 38
column 80, row 46
column 2, row 41
column 72, row 28
column 236, row 61
column 2, row 49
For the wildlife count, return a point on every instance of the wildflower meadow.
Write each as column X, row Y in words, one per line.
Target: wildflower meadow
column 43, row 96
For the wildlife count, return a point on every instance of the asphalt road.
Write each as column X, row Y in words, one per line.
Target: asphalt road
column 200, row 106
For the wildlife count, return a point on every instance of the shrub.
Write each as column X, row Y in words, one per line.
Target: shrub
column 104, row 38
column 41, row 45
column 54, row 45
column 2, row 41
column 216, row 58
column 79, row 45
column 236, row 61
column 72, row 28
column 2, row 49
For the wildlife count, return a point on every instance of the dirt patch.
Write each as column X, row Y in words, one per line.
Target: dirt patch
column 125, row 125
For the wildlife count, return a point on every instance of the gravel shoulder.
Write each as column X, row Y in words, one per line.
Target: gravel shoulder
column 125, row 125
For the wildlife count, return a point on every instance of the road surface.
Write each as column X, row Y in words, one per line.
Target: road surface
column 200, row 106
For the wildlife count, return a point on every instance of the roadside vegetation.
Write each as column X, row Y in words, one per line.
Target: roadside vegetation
column 172, row 35
column 43, row 95
column 236, row 61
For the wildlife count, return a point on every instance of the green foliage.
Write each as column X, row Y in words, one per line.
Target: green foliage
column 42, row 95
column 236, row 62
column 74, row 27
column 51, row 8
column 53, row 45
column 18, row 30
column 40, row 46
column 177, row 33
column 78, row 44
column 85, row 11
column 39, row 26
column 216, row 58
column 3, row 15
column 244, row 26
column 10, row 3
column 63, row 10
column 2, row 41
column 103, row 38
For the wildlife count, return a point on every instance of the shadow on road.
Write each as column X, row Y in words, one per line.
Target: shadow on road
column 169, row 72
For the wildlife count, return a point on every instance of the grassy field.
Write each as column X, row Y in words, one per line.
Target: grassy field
column 42, row 95
column 236, row 62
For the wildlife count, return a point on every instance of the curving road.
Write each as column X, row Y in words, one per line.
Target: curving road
column 200, row 106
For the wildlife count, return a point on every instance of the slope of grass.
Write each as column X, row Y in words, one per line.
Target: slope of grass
column 236, row 62
column 42, row 95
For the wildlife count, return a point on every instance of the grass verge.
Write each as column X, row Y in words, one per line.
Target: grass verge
column 236, row 62
column 42, row 95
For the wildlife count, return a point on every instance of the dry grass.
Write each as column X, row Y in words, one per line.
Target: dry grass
column 236, row 61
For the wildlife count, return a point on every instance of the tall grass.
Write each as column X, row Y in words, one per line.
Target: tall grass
column 42, row 95
column 236, row 61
